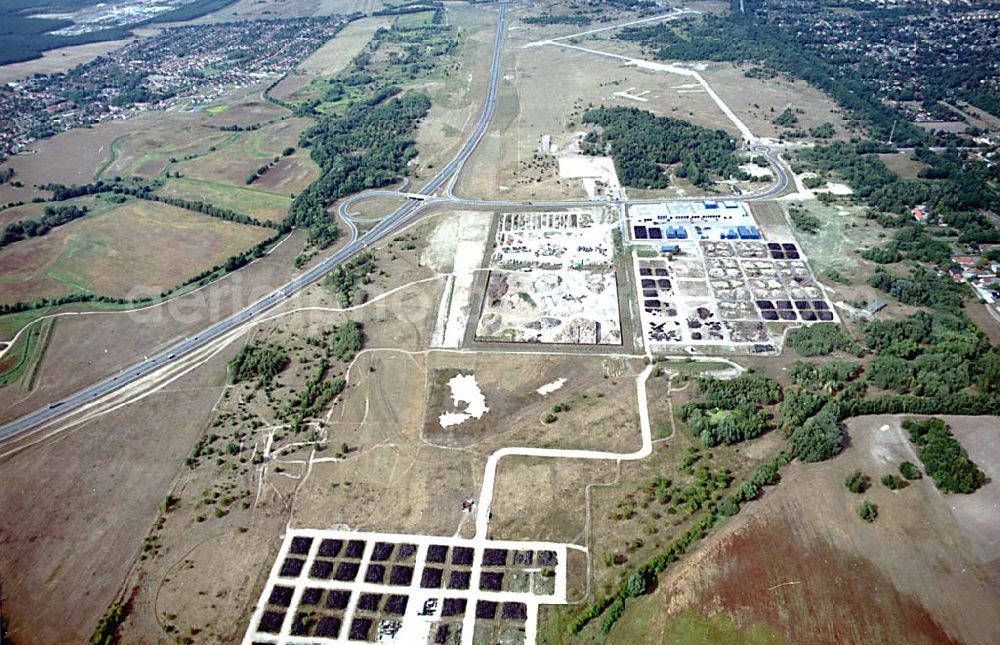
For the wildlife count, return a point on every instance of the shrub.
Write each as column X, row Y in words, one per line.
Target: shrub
column 892, row 482
column 909, row 470
column 856, row 482
column 867, row 511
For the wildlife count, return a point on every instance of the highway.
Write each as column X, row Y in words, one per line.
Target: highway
column 358, row 243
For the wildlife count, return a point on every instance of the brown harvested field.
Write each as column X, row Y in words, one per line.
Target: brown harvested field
column 338, row 52
column 139, row 244
column 290, row 175
column 289, row 86
column 248, row 109
column 903, row 164
column 58, row 60
column 77, row 508
column 70, row 157
column 801, row 563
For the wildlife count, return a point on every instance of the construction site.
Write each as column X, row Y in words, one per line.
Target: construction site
column 711, row 280
column 552, row 280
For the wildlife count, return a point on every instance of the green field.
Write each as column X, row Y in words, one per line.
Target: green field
column 255, row 203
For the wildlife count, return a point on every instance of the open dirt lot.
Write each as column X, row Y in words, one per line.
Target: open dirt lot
column 139, row 243
column 800, row 565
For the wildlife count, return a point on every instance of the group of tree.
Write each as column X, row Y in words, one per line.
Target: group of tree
column 730, row 411
column 644, row 146
column 821, row 339
column 367, row 147
column 260, row 362
column 944, row 458
column 346, row 280
column 53, row 216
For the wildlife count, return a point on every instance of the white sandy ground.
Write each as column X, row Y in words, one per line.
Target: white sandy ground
column 464, row 389
column 549, row 388
column 458, row 244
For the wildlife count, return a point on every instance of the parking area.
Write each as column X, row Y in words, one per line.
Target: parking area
column 330, row 586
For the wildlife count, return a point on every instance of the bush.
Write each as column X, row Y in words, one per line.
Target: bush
column 856, row 482
column 909, row 470
column 550, row 418
column 945, row 461
column 635, row 584
column 867, row 511
column 892, row 482
column 728, row 507
column 820, row 438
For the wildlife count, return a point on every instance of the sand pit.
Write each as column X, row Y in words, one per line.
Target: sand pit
column 464, row 389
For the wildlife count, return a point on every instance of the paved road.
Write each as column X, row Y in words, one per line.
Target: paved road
column 358, row 243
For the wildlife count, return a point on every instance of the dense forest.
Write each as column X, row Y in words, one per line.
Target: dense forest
column 261, row 362
column 25, row 37
column 643, row 144
column 945, row 460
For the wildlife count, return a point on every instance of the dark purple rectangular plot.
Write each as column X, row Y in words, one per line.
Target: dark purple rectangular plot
column 441, row 635
column 784, row 304
column 360, row 627
column 461, row 555
column 661, row 273
column 498, row 557
column 650, row 293
column 453, row 607
column 401, row 575
column 490, row 581
column 321, row 569
column 787, row 315
column 338, row 599
column 820, row 304
column 437, row 553
column 652, row 304
column 769, row 314
column 808, row 315
column 801, row 304
column 648, row 283
column 382, row 551
column 774, row 246
column 765, row 304
column 280, row 596
column 301, row 625
column 300, row 545
column 292, row 567
column 354, row 550
column 431, row 578
column 777, row 255
column 524, row 557
column 644, row 272
column 663, row 283
column 486, row 609
column 270, row 622
column 640, row 233
column 396, row 605
column 459, row 580
column 792, row 255
column 330, row 548
column 825, row 315
column 347, row 571
column 328, row 626
column 547, row 558
column 311, row 596
column 788, row 246
column 406, row 551
column 655, row 233
column 514, row 611
column 369, row 601
column 375, row 573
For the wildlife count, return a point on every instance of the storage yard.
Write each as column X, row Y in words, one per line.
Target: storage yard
column 340, row 586
column 552, row 280
column 708, row 279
